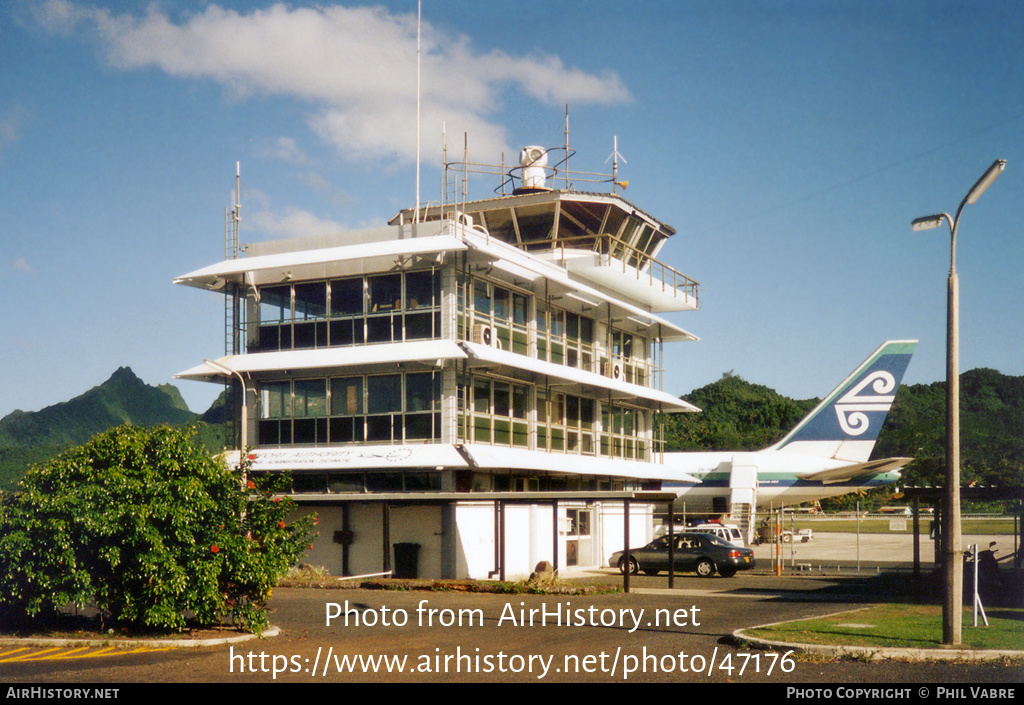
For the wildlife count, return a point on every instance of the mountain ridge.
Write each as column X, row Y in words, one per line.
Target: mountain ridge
column 29, row 438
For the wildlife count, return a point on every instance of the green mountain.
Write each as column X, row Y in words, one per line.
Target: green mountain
column 28, row 438
column 991, row 430
column 735, row 415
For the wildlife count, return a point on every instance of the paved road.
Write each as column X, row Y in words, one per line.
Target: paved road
column 649, row 635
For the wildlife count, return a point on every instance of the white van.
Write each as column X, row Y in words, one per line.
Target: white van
column 730, row 533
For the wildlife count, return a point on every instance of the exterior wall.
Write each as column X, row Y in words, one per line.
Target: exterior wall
column 409, row 524
column 528, row 531
column 641, row 528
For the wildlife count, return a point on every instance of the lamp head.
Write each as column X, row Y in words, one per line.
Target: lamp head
column 986, row 180
column 928, row 222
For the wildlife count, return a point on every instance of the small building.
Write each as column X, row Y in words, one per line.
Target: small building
column 471, row 389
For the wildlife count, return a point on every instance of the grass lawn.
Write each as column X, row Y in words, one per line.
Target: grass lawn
column 901, row 626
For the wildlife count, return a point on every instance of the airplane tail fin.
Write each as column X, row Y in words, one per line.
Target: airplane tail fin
column 845, row 425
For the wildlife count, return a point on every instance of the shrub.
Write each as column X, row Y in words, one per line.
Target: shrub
column 147, row 528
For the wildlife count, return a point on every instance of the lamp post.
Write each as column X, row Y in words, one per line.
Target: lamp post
column 227, row 371
column 952, row 605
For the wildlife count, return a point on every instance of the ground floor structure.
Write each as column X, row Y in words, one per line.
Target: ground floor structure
column 501, row 535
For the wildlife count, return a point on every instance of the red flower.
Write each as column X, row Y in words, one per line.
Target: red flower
column 252, row 485
column 277, row 499
column 281, row 524
column 214, row 548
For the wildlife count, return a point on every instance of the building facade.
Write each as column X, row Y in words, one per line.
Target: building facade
column 464, row 392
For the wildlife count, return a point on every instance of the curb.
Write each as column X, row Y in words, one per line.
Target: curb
column 139, row 643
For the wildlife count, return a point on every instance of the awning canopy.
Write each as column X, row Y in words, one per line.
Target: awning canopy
column 320, row 262
column 440, row 456
column 425, row 352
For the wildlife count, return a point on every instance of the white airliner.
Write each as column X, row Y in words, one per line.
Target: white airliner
column 824, row 456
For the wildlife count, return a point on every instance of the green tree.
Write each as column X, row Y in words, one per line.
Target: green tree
column 150, row 530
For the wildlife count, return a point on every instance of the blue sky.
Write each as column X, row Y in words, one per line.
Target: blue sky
column 790, row 143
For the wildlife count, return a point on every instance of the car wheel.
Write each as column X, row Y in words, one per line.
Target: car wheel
column 705, row 568
column 787, row 538
column 634, row 567
column 727, row 572
column 650, row 571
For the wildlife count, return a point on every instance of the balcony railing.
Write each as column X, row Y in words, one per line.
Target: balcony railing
column 613, row 252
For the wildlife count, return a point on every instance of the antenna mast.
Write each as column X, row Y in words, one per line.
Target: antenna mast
column 233, row 218
column 567, row 152
column 419, row 17
column 615, row 157
column 232, row 313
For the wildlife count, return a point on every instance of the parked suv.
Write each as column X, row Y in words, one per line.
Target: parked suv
column 730, row 533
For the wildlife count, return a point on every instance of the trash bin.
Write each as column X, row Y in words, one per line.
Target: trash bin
column 407, row 560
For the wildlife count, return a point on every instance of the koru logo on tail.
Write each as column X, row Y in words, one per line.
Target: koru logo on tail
column 852, row 408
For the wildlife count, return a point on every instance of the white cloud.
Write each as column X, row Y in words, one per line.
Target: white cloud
column 287, row 150
column 355, row 67
column 292, row 222
column 21, row 265
column 10, row 127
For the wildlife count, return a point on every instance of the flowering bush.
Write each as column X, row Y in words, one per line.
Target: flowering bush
column 147, row 528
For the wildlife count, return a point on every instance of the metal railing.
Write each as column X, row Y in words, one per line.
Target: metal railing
column 613, row 251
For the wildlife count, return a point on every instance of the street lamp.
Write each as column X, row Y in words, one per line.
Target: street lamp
column 227, row 371
column 952, row 606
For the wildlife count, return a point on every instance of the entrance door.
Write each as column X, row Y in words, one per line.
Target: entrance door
column 579, row 545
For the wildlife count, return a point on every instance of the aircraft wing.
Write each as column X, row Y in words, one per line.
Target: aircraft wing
column 848, row 472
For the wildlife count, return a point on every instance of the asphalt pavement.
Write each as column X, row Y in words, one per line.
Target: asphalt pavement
column 652, row 634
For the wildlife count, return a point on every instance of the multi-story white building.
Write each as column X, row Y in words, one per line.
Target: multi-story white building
column 474, row 387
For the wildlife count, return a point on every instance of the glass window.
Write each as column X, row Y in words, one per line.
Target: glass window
column 346, row 296
column 379, row 329
column 419, row 392
column 586, row 330
column 275, row 400
column 346, row 429
column 482, row 396
column 520, row 402
column 275, row 304
column 520, row 309
column 481, row 298
column 557, row 323
column 535, row 222
column 385, row 292
column 419, row 289
column 572, row 327
column 346, row 396
column 418, row 326
column 502, row 399
column 418, row 426
column 310, row 300
column 499, row 224
column 501, row 304
column 310, row 397
column 384, row 394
